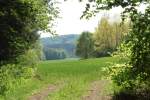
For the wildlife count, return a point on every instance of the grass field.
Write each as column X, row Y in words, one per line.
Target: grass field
column 74, row 77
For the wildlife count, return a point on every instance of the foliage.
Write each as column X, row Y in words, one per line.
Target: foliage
column 66, row 42
column 134, row 75
column 52, row 54
column 20, row 22
column 11, row 74
column 71, row 77
column 108, row 35
column 124, row 75
column 25, row 68
column 140, row 39
column 95, row 6
column 85, row 47
column 123, row 52
column 120, row 72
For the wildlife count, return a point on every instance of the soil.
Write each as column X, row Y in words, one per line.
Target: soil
column 96, row 91
column 44, row 93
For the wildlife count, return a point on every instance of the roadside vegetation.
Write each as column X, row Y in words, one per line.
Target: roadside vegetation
column 126, row 45
column 72, row 76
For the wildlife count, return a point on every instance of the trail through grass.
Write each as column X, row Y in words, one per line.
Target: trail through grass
column 75, row 76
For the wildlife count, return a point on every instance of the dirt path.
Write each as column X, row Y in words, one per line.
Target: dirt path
column 44, row 93
column 96, row 91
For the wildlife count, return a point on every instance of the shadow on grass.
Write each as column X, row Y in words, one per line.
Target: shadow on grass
column 144, row 95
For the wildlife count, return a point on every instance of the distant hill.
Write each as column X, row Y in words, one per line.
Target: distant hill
column 62, row 42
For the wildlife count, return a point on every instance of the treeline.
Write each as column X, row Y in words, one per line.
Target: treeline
column 104, row 41
column 52, row 54
column 20, row 21
column 59, row 47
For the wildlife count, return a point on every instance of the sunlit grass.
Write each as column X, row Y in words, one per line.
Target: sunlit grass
column 74, row 75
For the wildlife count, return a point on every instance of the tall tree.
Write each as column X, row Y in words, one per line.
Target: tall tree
column 140, row 32
column 20, row 20
column 52, row 53
column 136, row 71
column 85, row 45
column 108, row 35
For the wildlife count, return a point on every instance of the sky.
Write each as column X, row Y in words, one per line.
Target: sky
column 70, row 22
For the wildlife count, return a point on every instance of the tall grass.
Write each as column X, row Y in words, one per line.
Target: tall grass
column 75, row 77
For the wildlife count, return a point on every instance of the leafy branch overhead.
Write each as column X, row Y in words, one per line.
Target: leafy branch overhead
column 20, row 22
column 95, row 6
column 135, row 74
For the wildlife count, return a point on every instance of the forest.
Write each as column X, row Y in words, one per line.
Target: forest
column 110, row 63
column 66, row 44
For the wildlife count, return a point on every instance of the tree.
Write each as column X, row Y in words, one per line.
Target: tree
column 52, row 53
column 134, row 75
column 108, row 35
column 20, row 22
column 85, row 45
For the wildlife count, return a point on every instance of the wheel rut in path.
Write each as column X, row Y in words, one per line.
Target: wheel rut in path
column 96, row 91
column 44, row 93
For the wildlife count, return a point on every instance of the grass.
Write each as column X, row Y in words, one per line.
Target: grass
column 74, row 75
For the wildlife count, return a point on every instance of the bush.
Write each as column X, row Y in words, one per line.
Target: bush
column 10, row 74
column 130, row 83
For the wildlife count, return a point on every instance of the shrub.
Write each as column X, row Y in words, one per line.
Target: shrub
column 10, row 74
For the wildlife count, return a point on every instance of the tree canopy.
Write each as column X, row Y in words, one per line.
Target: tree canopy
column 134, row 74
column 53, row 54
column 108, row 35
column 95, row 6
column 20, row 22
column 85, row 45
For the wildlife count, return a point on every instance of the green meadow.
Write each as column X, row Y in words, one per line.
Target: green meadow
column 72, row 77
